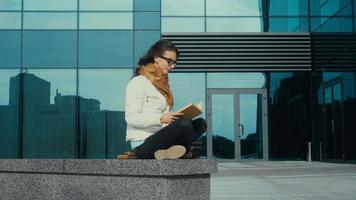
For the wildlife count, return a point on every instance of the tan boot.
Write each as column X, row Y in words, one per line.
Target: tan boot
column 173, row 152
column 127, row 155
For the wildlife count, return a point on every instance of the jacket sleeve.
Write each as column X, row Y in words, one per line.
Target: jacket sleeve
column 135, row 95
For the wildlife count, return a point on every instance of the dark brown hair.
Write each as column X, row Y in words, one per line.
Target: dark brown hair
column 157, row 49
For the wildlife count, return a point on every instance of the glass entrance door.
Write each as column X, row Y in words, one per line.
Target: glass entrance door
column 237, row 124
column 333, row 121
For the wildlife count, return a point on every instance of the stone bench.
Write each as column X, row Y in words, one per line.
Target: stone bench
column 105, row 179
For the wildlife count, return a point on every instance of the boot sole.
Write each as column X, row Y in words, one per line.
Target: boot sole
column 173, row 152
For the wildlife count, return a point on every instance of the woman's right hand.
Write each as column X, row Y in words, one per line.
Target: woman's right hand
column 170, row 117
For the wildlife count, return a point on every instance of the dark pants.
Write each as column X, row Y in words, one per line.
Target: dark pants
column 182, row 131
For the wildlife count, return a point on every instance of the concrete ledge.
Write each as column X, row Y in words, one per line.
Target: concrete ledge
column 105, row 179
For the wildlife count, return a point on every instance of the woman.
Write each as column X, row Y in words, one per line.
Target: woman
column 153, row 130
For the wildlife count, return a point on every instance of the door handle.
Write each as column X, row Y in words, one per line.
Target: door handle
column 242, row 129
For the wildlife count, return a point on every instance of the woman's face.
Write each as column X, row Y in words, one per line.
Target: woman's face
column 167, row 61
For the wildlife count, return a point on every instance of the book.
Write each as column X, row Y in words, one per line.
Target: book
column 191, row 110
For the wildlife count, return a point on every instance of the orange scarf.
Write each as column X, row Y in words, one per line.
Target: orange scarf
column 160, row 80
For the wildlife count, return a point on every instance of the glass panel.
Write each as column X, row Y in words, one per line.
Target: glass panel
column 10, row 5
column 108, row 5
column 223, row 126
column 49, row 113
column 289, row 120
column 290, row 24
column 102, row 106
column 277, row 78
column 143, row 41
column 10, row 20
column 234, row 24
column 330, row 8
column 327, row 76
column 147, row 5
column 106, row 20
column 288, row 8
column 105, row 48
column 186, row 85
column 149, row 20
column 49, row 49
column 235, row 80
column 251, row 126
column 336, row 7
column 233, row 7
column 183, row 24
column 9, row 113
column 50, row 20
column 50, row 4
column 334, row 24
column 337, row 92
column 10, row 48
column 190, row 88
column 181, row 8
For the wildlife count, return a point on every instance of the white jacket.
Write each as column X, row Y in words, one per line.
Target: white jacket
column 144, row 108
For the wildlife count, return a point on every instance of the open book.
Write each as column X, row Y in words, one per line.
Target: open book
column 191, row 110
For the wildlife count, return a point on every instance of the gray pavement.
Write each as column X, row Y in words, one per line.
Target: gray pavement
column 290, row 180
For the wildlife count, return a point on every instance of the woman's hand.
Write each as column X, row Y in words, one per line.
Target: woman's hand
column 170, row 117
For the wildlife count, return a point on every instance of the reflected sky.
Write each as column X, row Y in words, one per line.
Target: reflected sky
column 50, row 5
column 10, row 20
column 10, row 4
column 187, row 88
column 180, row 8
column 223, row 116
column 234, row 7
column 63, row 80
column 236, row 80
column 106, row 85
column 5, row 75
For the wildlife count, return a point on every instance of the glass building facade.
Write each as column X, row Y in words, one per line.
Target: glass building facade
column 65, row 64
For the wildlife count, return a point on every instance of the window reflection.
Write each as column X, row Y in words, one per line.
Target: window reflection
column 49, row 113
column 181, row 8
column 187, row 88
column 102, row 116
column 106, row 20
column 331, row 24
column 50, row 4
column 235, row 80
column 105, row 48
column 49, row 49
column 183, row 24
column 288, row 7
column 289, row 114
column 234, row 24
column 50, row 20
column 290, row 24
column 147, row 20
column 234, row 7
column 10, row 20
column 107, row 86
column 10, row 5
column 106, row 5
column 10, row 48
column 147, row 5
column 9, row 101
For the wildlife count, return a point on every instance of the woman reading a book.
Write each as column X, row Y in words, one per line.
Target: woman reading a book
column 153, row 129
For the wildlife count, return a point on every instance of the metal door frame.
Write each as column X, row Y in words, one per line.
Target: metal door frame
column 236, row 93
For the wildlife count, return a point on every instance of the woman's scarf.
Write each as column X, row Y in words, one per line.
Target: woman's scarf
column 160, row 80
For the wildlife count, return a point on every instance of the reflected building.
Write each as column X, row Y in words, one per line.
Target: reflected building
column 273, row 74
column 49, row 130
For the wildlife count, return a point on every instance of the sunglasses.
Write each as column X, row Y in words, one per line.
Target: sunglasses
column 169, row 61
